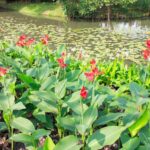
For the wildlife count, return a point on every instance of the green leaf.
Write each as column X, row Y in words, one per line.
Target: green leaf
column 21, row 137
column 131, row 144
column 60, row 89
column 39, row 115
column 48, row 83
column 102, row 120
column 68, row 143
column 67, row 122
column 144, row 136
column 39, row 133
column 18, row 106
column 73, row 75
column 28, row 80
column 74, row 103
column 90, row 116
column 49, row 144
column 137, row 90
column 6, row 102
column 98, row 100
column 23, row 124
column 105, row 136
column 140, row 123
column 3, row 126
column 43, row 71
column 45, row 95
column 48, row 106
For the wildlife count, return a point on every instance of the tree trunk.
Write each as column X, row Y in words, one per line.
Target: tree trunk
column 108, row 13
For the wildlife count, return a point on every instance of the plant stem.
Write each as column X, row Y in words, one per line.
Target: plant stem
column 59, row 115
column 11, row 134
column 83, row 135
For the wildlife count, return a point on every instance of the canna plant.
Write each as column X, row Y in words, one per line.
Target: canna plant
column 67, row 103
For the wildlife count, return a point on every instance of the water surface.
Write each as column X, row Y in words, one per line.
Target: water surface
column 99, row 39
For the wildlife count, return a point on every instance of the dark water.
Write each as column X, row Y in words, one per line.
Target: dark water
column 123, row 39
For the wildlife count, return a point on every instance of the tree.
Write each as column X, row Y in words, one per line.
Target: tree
column 109, row 3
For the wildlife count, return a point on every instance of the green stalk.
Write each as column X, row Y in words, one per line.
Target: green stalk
column 12, row 143
column 59, row 115
column 83, row 135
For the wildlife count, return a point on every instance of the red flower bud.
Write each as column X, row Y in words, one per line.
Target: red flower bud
column 89, row 75
column 61, row 63
column 148, row 43
column 83, row 93
column 146, row 54
column 3, row 71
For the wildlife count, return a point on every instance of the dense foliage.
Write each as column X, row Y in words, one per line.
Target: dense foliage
column 88, row 7
column 52, row 101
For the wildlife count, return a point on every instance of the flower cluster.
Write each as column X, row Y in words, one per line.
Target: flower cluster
column 25, row 41
column 3, row 71
column 94, row 71
column 84, row 93
column 61, row 61
column 146, row 53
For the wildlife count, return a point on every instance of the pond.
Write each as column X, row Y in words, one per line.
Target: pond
column 123, row 39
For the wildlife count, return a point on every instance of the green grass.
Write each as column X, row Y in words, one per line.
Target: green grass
column 48, row 10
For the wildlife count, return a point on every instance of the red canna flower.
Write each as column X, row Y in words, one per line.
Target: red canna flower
column 93, row 62
column 95, row 71
column 84, row 93
column 61, row 62
column 22, row 37
column 3, row 71
column 44, row 40
column 21, row 43
column 63, row 54
column 146, row 54
column 90, row 76
column 148, row 43
column 30, row 41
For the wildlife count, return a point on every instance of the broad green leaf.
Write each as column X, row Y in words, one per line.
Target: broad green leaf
column 137, row 90
column 60, row 89
column 3, row 126
column 139, row 123
column 105, row 136
column 68, row 143
column 18, row 106
column 73, row 75
column 48, row 106
column 45, row 95
column 23, row 124
column 144, row 136
column 131, row 144
column 98, row 100
column 102, row 120
column 60, row 50
column 49, row 144
column 67, row 122
column 74, row 103
column 48, row 83
column 43, row 71
column 39, row 115
column 6, row 102
column 90, row 116
column 28, row 80
column 23, row 138
column 40, row 133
